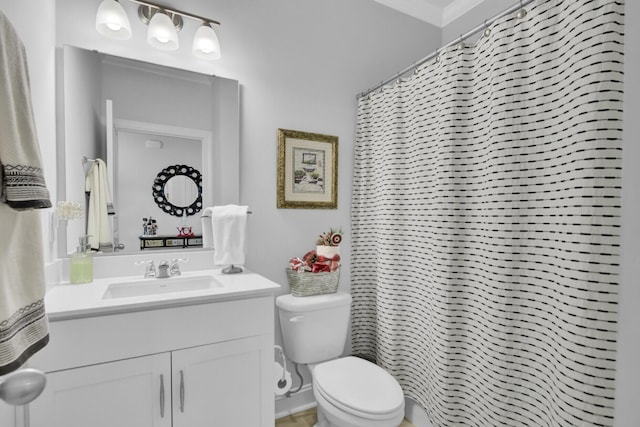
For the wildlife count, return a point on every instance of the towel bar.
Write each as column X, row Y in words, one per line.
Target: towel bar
column 85, row 159
column 209, row 216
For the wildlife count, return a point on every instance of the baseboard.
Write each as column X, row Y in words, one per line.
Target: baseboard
column 298, row 402
column 304, row 400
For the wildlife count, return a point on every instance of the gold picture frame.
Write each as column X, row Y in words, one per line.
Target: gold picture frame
column 307, row 170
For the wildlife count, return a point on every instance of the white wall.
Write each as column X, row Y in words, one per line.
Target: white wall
column 473, row 18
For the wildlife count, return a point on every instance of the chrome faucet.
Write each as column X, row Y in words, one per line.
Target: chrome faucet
column 163, row 270
column 174, row 269
column 150, row 271
column 166, row 269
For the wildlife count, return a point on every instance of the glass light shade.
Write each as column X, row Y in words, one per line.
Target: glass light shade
column 162, row 34
column 112, row 21
column 205, row 43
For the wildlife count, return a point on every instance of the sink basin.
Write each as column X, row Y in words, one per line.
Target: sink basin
column 138, row 288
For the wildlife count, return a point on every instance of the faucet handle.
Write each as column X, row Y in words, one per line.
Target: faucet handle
column 151, row 268
column 174, row 270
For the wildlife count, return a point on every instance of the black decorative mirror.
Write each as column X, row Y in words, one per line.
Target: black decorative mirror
column 177, row 190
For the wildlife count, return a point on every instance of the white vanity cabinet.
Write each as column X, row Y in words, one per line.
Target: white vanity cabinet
column 198, row 365
column 7, row 414
column 125, row 393
column 215, row 385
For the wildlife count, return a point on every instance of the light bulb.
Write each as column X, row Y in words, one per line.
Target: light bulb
column 162, row 33
column 112, row 21
column 205, row 43
column 114, row 26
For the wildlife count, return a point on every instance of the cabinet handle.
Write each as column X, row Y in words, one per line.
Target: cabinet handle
column 181, row 391
column 161, row 396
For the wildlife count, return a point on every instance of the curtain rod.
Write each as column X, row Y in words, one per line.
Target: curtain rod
column 485, row 24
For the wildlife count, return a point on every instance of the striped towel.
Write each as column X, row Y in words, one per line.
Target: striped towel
column 23, row 322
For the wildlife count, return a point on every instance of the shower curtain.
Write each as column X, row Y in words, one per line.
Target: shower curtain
column 485, row 222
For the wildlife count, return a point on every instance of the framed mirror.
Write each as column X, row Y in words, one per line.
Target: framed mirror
column 191, row 113
column 177, row 190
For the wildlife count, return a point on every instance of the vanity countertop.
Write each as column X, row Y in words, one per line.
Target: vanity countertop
column 67, row 301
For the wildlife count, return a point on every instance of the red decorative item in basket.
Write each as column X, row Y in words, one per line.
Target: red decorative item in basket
column 315, row 263
column 318, row 271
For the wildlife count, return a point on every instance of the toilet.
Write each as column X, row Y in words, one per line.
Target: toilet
column 349, row 391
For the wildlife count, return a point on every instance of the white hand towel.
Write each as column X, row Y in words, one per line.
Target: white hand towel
column 98, row 226
column 229, row 225
column 207, row 228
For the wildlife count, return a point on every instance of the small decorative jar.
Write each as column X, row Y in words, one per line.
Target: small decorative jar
column 327, row 251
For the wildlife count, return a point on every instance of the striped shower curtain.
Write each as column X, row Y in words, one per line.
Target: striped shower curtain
column 486, row 225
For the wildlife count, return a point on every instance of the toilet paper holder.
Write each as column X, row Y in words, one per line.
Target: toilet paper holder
column 282, row 382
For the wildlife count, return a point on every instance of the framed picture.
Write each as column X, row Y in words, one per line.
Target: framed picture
column 307, row 170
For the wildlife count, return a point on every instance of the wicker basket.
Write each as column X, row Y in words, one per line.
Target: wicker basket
column 306, row 284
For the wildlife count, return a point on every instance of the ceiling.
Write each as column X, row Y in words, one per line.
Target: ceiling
column 435, row 12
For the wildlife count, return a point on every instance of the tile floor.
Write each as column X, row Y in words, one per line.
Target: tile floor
column 308, row 419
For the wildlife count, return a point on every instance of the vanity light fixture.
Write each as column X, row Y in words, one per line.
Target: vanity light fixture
column 164, row 24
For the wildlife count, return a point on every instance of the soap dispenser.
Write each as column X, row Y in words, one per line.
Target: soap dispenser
column 81, row 264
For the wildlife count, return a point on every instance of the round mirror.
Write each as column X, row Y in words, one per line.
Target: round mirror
column 181, row 191
column 177, row 190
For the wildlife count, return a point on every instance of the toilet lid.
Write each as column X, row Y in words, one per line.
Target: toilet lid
column 358, row 385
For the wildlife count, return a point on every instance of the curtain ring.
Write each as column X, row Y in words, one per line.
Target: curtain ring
column 487, row 30
column 461, row 43
column 522, row 12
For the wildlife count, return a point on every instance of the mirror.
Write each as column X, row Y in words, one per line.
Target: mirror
column 142, row 118
column 182, row 192
column 177, row 190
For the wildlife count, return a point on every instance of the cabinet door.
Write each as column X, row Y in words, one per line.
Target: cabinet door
column 218, row 385
column 126, row 393
column 7, row 414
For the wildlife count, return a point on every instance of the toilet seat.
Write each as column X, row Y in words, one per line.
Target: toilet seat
column 359, row 387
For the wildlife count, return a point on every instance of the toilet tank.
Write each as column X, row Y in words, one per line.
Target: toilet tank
column 314, row 329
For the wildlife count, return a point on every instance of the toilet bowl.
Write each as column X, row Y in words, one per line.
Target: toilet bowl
column 349, row 391
column 352, row 392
